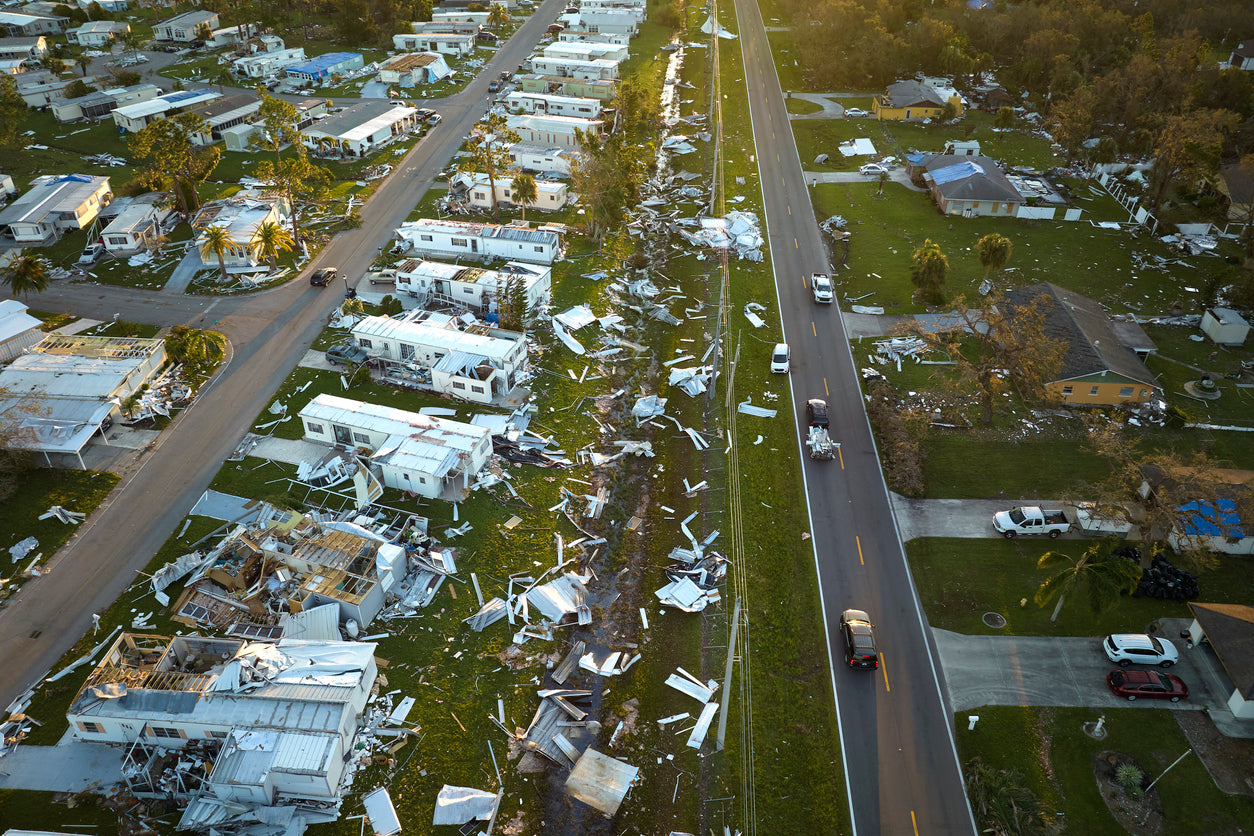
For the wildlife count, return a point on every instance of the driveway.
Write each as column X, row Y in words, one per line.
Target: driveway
column 1051, row 671
column 965, row 517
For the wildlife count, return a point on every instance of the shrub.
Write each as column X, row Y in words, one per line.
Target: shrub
column 1129, row 776
column 900, row 451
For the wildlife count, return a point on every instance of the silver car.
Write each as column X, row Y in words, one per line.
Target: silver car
column 1139, row 649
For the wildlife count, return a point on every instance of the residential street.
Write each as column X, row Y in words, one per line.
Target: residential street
column 269, row 333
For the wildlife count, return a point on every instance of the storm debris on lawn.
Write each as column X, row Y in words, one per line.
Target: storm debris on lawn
column 458, row 805
column 601, row 781
column 20, row 549
column 59, row 513
column 691, row 381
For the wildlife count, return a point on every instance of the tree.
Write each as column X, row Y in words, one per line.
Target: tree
column 279, row 119
column 607, row 178
column 524, row 192
column 53, row 64
column 26, row 274
column 172, row 160
column 270, row 240
column 12, row 112
column 422, row 10
column 929, row 268
column 1245, row 169
column 77, row 89
column 1188, row 146
column 498, row 16
column 84, row 63
column 203, row 32
column 1002, row 804
column 1103, row 575
column 987, row 341
column 881, row 179
column 512, row 302
column 216, row 240
column 301, row 181
column 1005, row 118
column 489, row 154
column 994, row 251
column 131, row 42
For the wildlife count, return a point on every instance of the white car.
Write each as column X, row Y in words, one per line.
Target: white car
column 821, row 287
column 872, row 169
column 781, row 359
column 855, row 112
column 1139, row 649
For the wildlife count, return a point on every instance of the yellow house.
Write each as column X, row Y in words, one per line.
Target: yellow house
column 1098, row 368
column 912, row 100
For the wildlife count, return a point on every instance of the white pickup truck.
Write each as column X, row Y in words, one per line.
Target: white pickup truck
column 821, row 287
column 1031, row 519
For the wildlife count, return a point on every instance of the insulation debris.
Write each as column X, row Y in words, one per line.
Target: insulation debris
column 59, row 513
column 691, row 381
column 458, row 805
column 601, row 781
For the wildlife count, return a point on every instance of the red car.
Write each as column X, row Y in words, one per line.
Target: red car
column 1149, row 685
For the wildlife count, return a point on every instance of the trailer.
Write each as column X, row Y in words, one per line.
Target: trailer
column 821, row 445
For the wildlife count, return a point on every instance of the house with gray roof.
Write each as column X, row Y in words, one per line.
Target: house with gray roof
column 436, row 239
column 1242, row 57
column 54, row 204
column 971, row 186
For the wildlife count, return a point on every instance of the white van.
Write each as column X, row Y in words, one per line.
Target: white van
column 781, row 358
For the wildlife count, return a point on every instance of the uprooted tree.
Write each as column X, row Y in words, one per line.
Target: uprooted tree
column 993, row 346
column 489, row 155
column 607, row 178
column 172, row 160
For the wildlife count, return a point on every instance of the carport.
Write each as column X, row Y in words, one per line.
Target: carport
column 1229, row 629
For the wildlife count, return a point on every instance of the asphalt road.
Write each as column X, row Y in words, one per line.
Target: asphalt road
column 269, row 332
column 901, row 768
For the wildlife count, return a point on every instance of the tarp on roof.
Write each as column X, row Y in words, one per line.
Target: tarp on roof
column 1201, row 518
column 962, row 170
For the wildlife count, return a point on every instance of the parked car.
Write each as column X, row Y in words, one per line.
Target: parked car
column 816, row 413
column 323, row 277
column 781, row 358
column 1139, row 649
column 91, row 254
column 555, row 28
column 860, row 652
column 856, row 112
column 494, row 86
column 872, row 169
column 525, row 4
column 347, row 354
column 1147, row 685
column 821, row 287
column 1031, row 519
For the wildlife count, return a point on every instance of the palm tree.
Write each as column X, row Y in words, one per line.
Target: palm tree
column 26, row 274
column 1106, row 576
column 524, row 192
column 216, row 240
column 270, row 240
column 498, row 16
column 994, row 251
column 83, row 62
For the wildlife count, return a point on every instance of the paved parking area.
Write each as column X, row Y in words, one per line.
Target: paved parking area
column 1041, row 670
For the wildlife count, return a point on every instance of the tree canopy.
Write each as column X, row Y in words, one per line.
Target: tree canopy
column 172, row 160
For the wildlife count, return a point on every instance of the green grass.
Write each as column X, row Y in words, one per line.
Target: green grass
column 961, row 579
column 791, row 75
column 38, row 490
column 801, row 106
column 1056, row 756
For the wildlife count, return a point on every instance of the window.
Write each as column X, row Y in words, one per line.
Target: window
column 91, row 728
column 216, row 735
column 481, row 195
column 1066, row 390
column 469, row 291
column 361, row 438
column 407, row 351
column 158, row 731
column 310, row 426
column 424, row 238
column 422, row 479
column 1093, row 391
column 975, row 204
column 1125, row 392
column 458, row 242
column 364, row 343
column 478, row 390
column 1144, row 393
column 457, row 385
column 539, row 249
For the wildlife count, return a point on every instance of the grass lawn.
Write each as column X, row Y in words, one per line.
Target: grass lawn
column 801, row 106
column 961, row 579
column 1056, row 757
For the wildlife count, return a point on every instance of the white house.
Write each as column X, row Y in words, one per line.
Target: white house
column 135, row 229
column 599, row 69
column 107, row 5
column 520, row 101
column 418, row 453
column 559, row 131
column 412, row 69
column 242, row 217
column 100, row 105
column 460, row 16
column 635, row 8
column 21, row 25
column 476, row 364
column 364, row 126
column 550, row 195
column 54, row 204
column 18, row 329
column 34, row 47
column 231, row 35
column 98, row 32
column 42, row 89
column 1229, row 629
column 183, row 28
column 539, row 159
column 423, row 26
column 133, row 118
column 581, row 36
column 474, row 288
column 461, row 239
column 607, row 22
column 268, row 63
column 445, row 43
column 586, row 51
column 1242, row 57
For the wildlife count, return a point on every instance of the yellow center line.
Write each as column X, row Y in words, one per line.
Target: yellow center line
column 827, row 392
column 790, row 211
column 842, row 458
column 914, row 823
column 812, row 328
column 858, row 540
column 795, row 245
column 884, row 670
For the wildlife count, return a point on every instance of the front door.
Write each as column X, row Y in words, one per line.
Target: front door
column 343, row 435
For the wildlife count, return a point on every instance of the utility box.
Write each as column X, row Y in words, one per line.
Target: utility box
column 1225, row 326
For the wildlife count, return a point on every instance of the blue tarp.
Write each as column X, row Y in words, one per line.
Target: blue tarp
column 1200, row 518
column 959, row 171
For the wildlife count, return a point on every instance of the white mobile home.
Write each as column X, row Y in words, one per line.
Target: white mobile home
column 133, row 118
column 418, row 453
column 547, row 130
column 473, row 365
column 100, row 105
column 136, row 228
column 364, row 126
column 53, row 205
column 580, row 36
column 184, row 27
column 269, row 63
column 242, row 218
column 18, row 329
column 551, row 195
column 98, row 32
column 412, row 69
column 445, row 43
column 607, row 22
column 550, row 105
column 475, row 288
column 586, row 51
column 635, row 8
column 462, row 16
column 598, row 69
column 539, row 159
column 459, row 239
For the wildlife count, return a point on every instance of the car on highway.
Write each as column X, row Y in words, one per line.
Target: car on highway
column 323, row 276
column 781, row 358
column 816, row 413
column 347, row 354
column 1146, row 685
column 1139, row 649
column 872, row 169
column 821, row 287
column 859, row 635
column 856, row 112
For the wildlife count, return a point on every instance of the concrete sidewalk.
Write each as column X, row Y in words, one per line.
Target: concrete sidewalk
column 70, row 766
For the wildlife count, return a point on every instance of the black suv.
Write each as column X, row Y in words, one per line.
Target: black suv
column 816, row 412
column 860, row 652
column 323, row 277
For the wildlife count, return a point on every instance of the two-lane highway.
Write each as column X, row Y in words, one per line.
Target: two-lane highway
column 901, row 769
